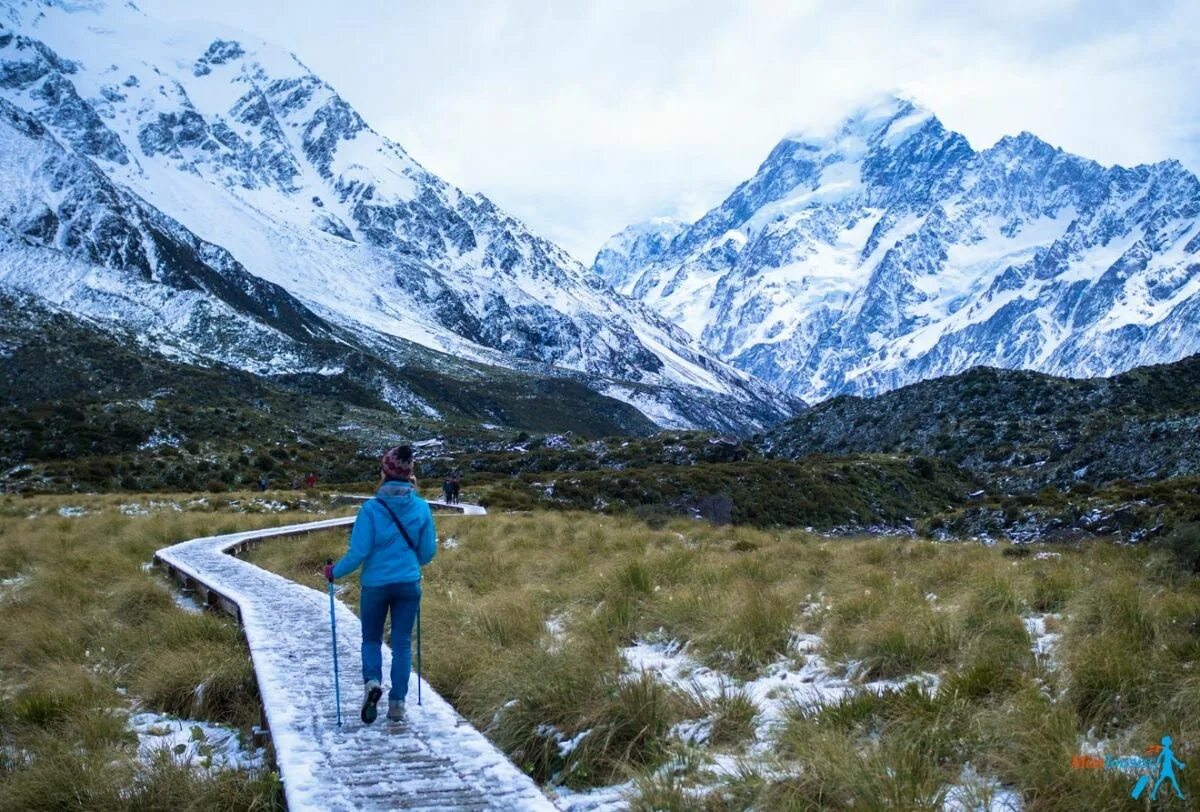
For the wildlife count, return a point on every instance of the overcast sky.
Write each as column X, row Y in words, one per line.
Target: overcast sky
column 583, row 117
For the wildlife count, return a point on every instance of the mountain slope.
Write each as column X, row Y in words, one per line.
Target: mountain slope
column 890, row 251
column 86, row 404
column 210, row 192
column 1024, row 428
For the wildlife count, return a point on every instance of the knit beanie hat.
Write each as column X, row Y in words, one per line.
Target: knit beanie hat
column 397, row 463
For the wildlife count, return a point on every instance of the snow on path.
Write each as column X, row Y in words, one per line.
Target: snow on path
column 466, row 509
column 434, row 760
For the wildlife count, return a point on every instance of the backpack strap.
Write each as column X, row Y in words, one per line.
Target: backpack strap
column 399, row 526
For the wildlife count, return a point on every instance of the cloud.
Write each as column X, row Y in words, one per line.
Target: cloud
column 582, row 117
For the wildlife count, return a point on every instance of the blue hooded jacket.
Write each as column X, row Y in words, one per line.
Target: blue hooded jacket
column 377, row 545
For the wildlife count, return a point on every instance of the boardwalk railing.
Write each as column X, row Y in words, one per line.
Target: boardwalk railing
column 433, row 760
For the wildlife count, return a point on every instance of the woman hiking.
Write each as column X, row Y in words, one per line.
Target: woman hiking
column 393, row 537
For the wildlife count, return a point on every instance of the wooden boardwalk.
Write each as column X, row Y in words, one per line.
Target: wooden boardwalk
column 435, row 760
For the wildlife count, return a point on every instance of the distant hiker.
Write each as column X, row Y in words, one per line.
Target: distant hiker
column 310, row 481
column 455, row 487
column 262, row 483
column 296, row 483
column 447, row 490
column 393, row 537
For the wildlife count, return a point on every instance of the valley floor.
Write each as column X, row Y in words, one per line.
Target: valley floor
column 624, row 667
column 695, row 666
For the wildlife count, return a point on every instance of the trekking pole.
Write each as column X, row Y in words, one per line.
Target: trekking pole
column 337, row 687
column 418, row 653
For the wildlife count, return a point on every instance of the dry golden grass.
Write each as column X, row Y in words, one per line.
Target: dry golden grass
column 524, row 620
column 85, row 632
column 892, row 607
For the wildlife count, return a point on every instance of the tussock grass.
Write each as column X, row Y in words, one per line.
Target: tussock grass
column 63, row 779
column 753, row 629
column 1030, row 742
column 628, row 729
column 204, row 681
column 892, row 773
column 732, row 713
column 508, row 619
column 885, row 608
column 86, row 631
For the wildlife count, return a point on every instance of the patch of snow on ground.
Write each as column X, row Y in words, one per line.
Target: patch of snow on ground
column 200, row 744
column 160, row 440
column 450, row 543
column 186, row 602
column 556, row 628
column 1044, row 641
column 159, row 506
column 806, row 678
column 10, row 586
column 267, row 505
column 978, row 793
column 601, row 799
column 71, row 511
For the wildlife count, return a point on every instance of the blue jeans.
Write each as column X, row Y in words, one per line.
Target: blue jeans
column 403, row 600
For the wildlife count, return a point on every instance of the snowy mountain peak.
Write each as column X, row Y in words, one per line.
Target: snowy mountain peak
column 626, row 252
column 888, row 117
column 887, row 250
column 180, row 163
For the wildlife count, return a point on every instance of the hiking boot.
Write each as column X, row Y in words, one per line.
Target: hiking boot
column 395, row 710
column 371, row 694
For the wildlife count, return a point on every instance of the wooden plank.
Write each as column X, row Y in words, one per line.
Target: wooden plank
column 435, row 760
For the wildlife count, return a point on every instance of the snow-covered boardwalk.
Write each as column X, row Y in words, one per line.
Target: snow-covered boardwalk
column 433, row 760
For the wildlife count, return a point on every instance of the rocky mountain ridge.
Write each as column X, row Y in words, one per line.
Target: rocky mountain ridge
column 207, row 191
column 890, row 251
column 1022, row 430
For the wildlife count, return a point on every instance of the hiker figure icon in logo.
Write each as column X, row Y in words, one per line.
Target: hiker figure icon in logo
column 1166, row 770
